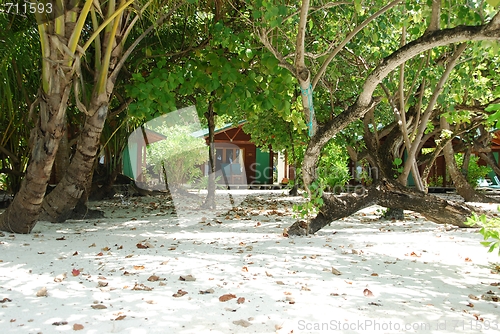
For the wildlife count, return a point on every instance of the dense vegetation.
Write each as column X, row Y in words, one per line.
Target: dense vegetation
column 328, row 82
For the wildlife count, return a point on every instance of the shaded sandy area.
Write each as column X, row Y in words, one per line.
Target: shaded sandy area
column 144, row 270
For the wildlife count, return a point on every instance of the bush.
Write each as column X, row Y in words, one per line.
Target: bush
column 333, row 171
column 474, row 171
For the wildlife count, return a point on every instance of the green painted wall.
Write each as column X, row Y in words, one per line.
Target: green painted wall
column 492, row 174
column 127, row 165
column 263, row 170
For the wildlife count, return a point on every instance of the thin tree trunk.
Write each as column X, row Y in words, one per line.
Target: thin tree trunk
column 210, row 200
column 462, row 186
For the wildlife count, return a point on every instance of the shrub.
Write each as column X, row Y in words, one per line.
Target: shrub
column 333, row 171
column 490, row 230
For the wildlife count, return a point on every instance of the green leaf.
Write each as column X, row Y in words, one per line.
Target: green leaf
column 398, row 161
column 493, row 3
column 357, row 6
column 493, row 106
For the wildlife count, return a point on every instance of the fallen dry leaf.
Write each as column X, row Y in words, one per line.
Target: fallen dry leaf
column 471, row 296
column 99, row 306
column 102, row 284
column 60, row 323
column 141, row 246
column 367, row 293
column 242, row 322
column 139, row 267
column 60, row 278
column 179, row 293
column 336, row 272
column 207, row 291
column 42, row 292
column 468, row 259
column 121, row 317
column 268, row 274
column 187, row 278
column 374, row 274
column 61, row 238
column 240, row 300
column 141, row 287
column 153, row 278
column 75, row 272
column 245, row 269
column 280, row 283
column 226, row 297
column 77, row 327
column 5, row 300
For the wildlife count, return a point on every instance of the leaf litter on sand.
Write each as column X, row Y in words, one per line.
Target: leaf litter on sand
column 214, row 261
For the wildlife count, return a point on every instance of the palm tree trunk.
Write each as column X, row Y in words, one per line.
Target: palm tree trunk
column 22, row 215
column 59, row 204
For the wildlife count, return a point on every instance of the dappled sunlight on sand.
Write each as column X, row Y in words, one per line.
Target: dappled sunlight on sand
column 415, row 272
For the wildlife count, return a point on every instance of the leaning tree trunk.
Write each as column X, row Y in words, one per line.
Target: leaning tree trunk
column 386, row 193
column 22, row 215
column 58, row 205
column 462, row 186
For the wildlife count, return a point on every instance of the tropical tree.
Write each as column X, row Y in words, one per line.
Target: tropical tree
column 112, row 23
column 59, row 36
column 292, row 50
column 226, row 75
column 19, row 55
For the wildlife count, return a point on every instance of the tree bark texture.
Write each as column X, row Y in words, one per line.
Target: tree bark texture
column 210, row 200
column 387, row 193
column 59, row 204
column 23, row 213
column 462, row 186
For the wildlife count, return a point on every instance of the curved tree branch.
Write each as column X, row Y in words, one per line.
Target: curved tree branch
column 353, row 33
column 365, row 99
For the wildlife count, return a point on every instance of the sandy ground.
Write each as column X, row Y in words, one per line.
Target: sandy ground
column 143, row 270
